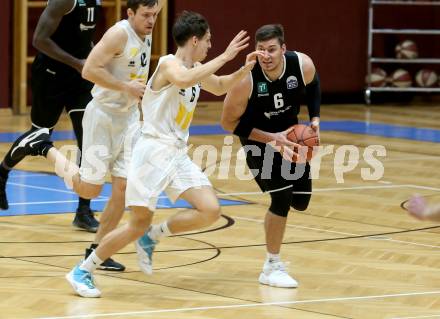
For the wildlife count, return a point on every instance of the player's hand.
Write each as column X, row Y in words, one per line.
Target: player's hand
column 287, row 148
column 239, row 43
column 417, row 207
column 251, row 60
column 314, row 124
column 136, row 88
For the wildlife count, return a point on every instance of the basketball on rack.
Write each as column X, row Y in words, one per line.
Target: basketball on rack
column 401, row 78
column 378, row 77
column 426, row 78
column 407, row 50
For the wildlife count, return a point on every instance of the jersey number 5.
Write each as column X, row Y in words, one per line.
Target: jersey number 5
column 278, row 100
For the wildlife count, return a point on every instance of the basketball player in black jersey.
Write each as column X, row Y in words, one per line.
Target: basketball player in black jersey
column 260, row 110
column 63, row 37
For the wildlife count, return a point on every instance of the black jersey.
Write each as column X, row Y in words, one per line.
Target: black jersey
column 75, row 32
column 274, row 105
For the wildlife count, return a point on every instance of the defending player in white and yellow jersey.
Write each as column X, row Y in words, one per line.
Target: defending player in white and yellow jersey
column 159, row 159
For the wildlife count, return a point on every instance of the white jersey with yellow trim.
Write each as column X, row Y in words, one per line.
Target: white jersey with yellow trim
column 132, row 64
column 168, row 112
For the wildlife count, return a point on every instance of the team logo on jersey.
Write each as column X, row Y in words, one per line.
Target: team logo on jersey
column 82, row 3
column 133, row 52
column 182, row 92
column 292, row 82
column 262, row 88
column 148, row 43
column 132, row 63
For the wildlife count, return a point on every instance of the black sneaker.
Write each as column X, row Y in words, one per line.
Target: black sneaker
column 85, row 219
column 28, row 143
column 3, row 199
column 108, row 264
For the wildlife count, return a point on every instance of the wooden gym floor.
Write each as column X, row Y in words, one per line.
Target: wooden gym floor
column 355, row 251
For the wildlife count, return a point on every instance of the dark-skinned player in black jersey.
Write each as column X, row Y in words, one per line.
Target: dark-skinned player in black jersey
column 260, row 110
column 63, row 37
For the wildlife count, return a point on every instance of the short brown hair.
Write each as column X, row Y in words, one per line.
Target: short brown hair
column 270, row 31
column 187, row 25
column 135, row 4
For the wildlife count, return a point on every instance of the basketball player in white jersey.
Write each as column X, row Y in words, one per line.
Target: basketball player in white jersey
column 160, row 161
column 118, row 65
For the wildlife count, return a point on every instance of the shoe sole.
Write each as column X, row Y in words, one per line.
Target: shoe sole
column 110, row 268
column 264, row 281
column 90, row 230
column 148, row 270
column 75, row 288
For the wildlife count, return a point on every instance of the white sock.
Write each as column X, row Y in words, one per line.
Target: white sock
column 272, row 258
column 91, row 263
column 158, row 231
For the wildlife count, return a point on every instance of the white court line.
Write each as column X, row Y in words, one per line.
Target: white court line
column 250, row 305
column 424, row 187
column 342, row 233
column 336, row 189
column 55, row 202
column 260, row 221
column 50, row 189
column 316, row 190
column 28, row 175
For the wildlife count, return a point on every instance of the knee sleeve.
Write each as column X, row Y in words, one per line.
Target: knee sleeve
column 300, row 202
column 280, row 203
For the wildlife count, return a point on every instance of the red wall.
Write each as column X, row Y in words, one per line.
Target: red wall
column 332, row 33
column 5, row 53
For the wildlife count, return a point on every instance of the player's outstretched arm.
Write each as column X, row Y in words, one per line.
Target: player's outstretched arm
column 111, row 45
column 47, row 25
column 184, row 78
column 219, row 85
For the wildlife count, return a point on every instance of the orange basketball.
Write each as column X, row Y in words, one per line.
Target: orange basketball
column 306, row 136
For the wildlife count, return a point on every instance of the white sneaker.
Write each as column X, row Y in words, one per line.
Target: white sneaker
column 145, row 247
column 82, row 282
column 275, row 275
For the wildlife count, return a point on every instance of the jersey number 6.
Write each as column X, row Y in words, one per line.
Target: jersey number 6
column 278, row 100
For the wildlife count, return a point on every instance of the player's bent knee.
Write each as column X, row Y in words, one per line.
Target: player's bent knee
column 88, row 191
column 280, row 204
column 279, row 210
column 300, row 203
column 211, row 213
column 300, row 207
column 140, row 219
